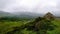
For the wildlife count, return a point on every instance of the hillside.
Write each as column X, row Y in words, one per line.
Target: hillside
column 19, row 14
column 27, row 14
column 3, row 14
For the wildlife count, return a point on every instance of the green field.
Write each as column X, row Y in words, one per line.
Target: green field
column 57, row 30
column 6, row 26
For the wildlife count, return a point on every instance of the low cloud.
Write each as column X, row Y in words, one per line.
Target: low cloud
column 37, row 6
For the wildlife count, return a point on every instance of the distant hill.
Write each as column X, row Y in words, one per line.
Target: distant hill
column 3, row 14
column 20, row 14
column 17, row 16
column 27, row 14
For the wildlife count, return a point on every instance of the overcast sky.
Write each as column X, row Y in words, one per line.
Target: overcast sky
column 37, row 6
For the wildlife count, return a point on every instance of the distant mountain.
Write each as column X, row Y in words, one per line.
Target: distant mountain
column 3, row 14
column 21, row 14
column 27, row 14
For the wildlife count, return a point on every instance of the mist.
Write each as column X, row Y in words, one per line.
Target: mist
column 34, row 6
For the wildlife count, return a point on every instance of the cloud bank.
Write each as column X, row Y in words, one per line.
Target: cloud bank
column 37, row 6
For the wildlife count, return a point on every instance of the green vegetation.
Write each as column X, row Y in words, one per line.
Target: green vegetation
column 8, row 26
column 57, row 30
column 41, row 25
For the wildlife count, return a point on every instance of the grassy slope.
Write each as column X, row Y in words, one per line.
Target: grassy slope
column 7, row 26
column 57, row 30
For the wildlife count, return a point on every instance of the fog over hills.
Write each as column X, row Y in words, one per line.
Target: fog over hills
column 22, row 14
column 19, row 14
column 30, row 7
column 3, row 14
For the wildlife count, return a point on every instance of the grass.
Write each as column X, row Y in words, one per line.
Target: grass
column 7, row 26
column 57, row 29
